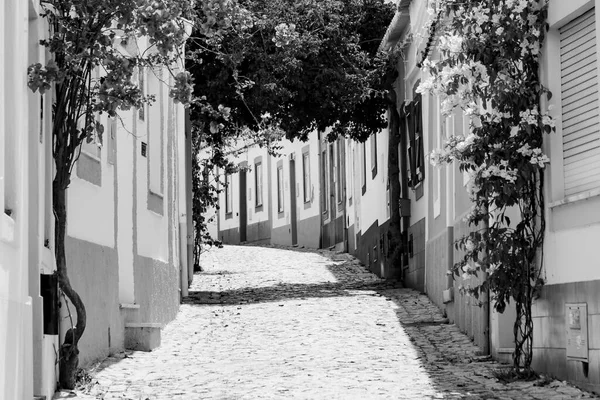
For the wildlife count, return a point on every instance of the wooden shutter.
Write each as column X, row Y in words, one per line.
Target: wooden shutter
column 580, row 117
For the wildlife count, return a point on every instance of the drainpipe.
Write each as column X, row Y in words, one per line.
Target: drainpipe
column 345, row 207
column 188, row 197
column 404, row 189
column 450, row 216
column 320, row 165
column 485, row 299
column 183, row 256
column 184, row 214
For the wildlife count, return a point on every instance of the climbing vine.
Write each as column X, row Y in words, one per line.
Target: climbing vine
column 488, row 66
column 96, row 49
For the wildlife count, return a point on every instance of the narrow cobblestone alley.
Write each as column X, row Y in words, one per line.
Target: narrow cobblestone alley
column 272, row 323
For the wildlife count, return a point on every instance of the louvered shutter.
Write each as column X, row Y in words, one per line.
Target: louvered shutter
column 580, row 117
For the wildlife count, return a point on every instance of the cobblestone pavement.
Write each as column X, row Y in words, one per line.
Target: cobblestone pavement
column 273, row 323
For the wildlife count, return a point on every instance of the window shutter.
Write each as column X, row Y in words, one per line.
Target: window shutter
column 420, row 163
column 580, row 117
column 411, row 122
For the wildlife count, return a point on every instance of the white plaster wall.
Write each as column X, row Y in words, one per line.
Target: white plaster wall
column 253, row 215
column 418, row 16
column 373, row 204
column 152, row 228
column 125, row 144
column 352, row 181
column 277, row 221
column 296, row 147
column 229, row 223
column 16, row 378
column 357, row 200
column 212, row 213
column 570, row 253
column 419, row 207
column 418, row 19
column 560, row 11
column 91, row 208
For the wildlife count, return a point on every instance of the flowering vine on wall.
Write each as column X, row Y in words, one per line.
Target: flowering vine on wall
column 489, row 67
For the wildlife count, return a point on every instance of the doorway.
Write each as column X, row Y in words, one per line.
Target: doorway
column 243, row 206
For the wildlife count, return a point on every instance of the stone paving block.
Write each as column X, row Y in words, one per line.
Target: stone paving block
column 276, row 323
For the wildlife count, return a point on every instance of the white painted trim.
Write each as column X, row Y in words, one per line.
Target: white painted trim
column 157, row 194
column 129, row 306
column 2, row 130
column 7, row 233
column 90, row 155
column 437, row 173
column 157, row 325
column 575, row 198
column 505, row 350
column 450, row 180
column 409, row 82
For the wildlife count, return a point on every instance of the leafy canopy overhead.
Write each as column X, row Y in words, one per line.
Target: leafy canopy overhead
column 96, row 49
column 304, row 65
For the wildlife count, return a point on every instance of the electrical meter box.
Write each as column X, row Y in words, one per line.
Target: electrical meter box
column 577, row 331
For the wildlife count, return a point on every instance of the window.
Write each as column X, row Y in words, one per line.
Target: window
column 466, row 130
column 350, row 171
column 363, row 171
column 324, row 181
column 306, row 176
column 441, row 123
column 339, row 171
column 280, row 189
column 111, row 138
column 579, row 87
column 258, row 180
column 332, row 177
column 387, row 198
column 91, row 145
column 141, row 113
column 228, row 188
column 415, row 151
column 89, row 166
column 155, row 135
column 373, row 155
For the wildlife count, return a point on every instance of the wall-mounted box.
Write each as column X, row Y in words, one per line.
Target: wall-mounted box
column 448, row 295
column 577, row 331
column 404, row 205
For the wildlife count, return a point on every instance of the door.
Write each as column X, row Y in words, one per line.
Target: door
column 243, row 206
column 293, row 201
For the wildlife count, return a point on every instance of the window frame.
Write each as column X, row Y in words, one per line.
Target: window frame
column 363, row 174
column 338, row 172
column 306, row 176
column 228, row 195
column 324, row 197
column 280, row 194
column 373, row 156
column 156, row 136
column 258, row 184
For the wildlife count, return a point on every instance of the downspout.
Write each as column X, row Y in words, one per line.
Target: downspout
column 397, row 29
column 485, row 300
column 320, row 165
column 183, row 221
column 448, row 294
column 345, row 197
column 188, row 196
column 404, row 189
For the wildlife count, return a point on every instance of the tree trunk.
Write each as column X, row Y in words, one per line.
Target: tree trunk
column 394, row 231
column 69, row 351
